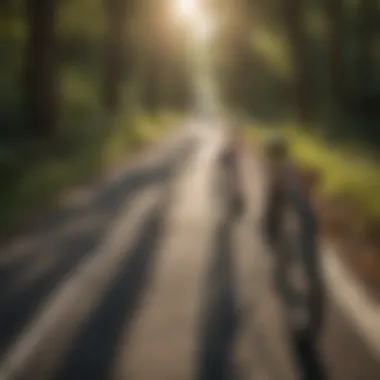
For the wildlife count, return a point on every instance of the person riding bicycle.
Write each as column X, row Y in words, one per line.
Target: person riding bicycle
column 276, row 154
column 231, row 162
column 284, row 176
column 289, row 186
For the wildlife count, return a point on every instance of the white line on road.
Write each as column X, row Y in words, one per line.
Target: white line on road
column 363, row 311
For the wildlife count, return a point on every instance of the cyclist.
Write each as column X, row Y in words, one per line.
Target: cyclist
column 231, row 162
column 284, row 176
column 276, row 155
column 288, row 186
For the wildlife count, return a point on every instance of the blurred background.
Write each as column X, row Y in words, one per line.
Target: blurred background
column 87, row 84
column 84, row 82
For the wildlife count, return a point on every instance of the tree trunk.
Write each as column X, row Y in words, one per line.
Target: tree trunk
column 367, row 35
column 337, row 77
column 297, row 41
column 115, row 53
column 41, row 67
column 151, row 85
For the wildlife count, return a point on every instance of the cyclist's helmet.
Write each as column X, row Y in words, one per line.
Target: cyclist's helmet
column 277, row 147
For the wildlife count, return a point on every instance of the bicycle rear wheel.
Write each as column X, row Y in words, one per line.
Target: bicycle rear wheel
column 298, row 273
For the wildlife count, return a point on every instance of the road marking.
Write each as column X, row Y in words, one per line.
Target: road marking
column 67, row 308
column 363, row 311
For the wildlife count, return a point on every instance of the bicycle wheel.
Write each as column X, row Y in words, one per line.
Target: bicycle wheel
column 298, row 271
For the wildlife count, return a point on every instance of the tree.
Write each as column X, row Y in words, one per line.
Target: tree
column 116, row 60
column 302, row 78
column 367, row 35
column 337, row 80
column 41, row 98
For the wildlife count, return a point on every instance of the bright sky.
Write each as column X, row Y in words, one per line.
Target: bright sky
column 188, row 8
column 191, row 12
column 203, row 27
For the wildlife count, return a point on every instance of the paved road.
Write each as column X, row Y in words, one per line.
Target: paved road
column 146, row 276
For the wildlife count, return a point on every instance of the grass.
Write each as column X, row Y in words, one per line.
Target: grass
column 88, row 141
column 272, row 47
column 343, row 173
column 347, row 169
column 39, row 183
column 347, row 198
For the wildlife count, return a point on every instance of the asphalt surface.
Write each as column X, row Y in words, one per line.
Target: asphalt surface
column 145, row 275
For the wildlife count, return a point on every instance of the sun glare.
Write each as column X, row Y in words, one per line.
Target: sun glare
column 188, row 8
column 191, row 12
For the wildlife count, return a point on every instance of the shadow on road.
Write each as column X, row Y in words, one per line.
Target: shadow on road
column 18, row 308
column 94, row 349
column 307, row 359
column 45, row 236
column 105, row 204
column 220, row 318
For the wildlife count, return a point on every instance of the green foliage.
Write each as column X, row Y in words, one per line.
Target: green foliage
column 346, row 170
column 88, row 139
column 41, row 182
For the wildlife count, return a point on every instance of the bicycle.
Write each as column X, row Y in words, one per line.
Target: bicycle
column 294, row 239
column 232, row 178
